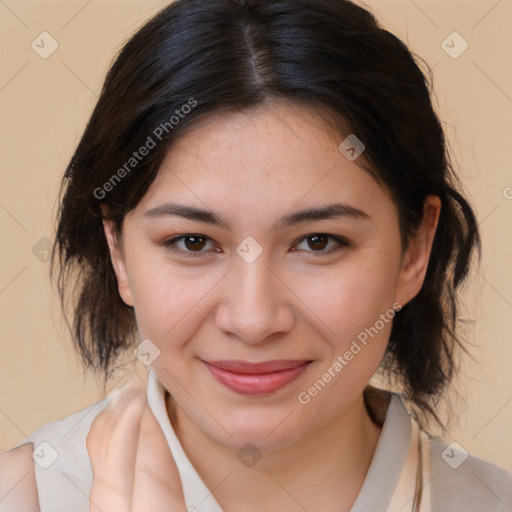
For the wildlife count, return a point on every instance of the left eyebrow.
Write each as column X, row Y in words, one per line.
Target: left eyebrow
column 333, row 211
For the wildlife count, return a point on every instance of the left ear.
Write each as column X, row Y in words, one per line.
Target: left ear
column 417, row 255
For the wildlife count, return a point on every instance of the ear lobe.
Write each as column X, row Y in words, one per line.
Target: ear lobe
column 118, row 262
column 417, row 255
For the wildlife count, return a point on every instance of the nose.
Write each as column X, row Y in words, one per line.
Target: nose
column 255, row 303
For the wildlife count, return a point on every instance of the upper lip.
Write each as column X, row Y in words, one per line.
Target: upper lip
column 254, row 368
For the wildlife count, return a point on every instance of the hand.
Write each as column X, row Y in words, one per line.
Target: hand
column 133, row 467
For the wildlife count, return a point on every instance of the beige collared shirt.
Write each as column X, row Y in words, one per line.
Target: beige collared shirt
column 409, row 472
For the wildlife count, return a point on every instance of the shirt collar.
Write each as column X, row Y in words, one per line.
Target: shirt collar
column 388, row 460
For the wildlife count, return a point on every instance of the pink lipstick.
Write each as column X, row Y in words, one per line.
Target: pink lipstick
column 252, row 378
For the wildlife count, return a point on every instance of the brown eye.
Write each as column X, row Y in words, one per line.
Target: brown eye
column 318, row 242
column 194, row 243
column 191, row 245
column 321, row 244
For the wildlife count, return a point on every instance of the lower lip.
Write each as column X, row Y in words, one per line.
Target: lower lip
column 260, row 384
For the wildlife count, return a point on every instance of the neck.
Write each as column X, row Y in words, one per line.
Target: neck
column 322, row 472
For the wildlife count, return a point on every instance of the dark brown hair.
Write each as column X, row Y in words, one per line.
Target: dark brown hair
column 220, row 55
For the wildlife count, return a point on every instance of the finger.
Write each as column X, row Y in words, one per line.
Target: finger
column 157, row 483
column 112, row 446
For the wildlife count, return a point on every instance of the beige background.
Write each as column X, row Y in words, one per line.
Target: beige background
column 44, row 104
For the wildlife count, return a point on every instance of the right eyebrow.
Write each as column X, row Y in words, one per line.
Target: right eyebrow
column 187, row 212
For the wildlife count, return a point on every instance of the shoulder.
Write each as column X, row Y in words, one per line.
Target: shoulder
column 18, row 488
column 460, row 481
column 59, row 461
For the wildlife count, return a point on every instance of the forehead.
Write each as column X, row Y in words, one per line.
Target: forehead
column 235, row 137
column 273, row 156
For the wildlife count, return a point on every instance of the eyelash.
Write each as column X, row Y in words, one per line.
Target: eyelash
column 171, row 244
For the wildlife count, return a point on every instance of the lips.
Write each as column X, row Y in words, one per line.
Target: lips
column 256, row 378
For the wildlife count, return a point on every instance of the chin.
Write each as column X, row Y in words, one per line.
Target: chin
column 266, row 432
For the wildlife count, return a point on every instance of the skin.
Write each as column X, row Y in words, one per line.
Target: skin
column 252, row 168
column 131, row 471
column 18, row 489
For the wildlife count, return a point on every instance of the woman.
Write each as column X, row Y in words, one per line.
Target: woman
column 262, row 206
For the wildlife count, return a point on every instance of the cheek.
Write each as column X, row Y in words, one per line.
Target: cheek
column 356, row 304
column 351, row 297
column 168, row 301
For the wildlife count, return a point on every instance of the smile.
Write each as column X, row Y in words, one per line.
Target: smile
column 248, row 378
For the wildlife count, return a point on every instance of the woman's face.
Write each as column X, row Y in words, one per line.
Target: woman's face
column 267, row 273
